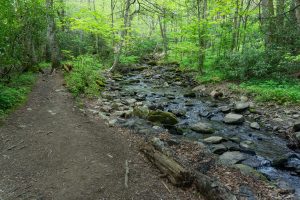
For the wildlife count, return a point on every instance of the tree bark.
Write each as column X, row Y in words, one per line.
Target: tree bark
column 268, row 21
column 52, row 38
column 297, row 11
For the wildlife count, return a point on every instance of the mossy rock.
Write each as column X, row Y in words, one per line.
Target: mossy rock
column 249, row 171
column 100, row 83
column 141, row 112
column 165, row 118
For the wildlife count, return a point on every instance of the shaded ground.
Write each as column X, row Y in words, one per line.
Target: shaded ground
column 50, row 150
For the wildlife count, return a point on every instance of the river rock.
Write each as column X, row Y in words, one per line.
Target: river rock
column 246, row 193
column 241, row 106
column 219, row 149
column 255, row 125
column 296, row 126
column 233, row 118
column 232, row 157
column 248, row 147
column 130, row 101
column 141, row 112
column 216, row 94
column 285, row 188
column 190, row 95
column 202, row 127
column 297, row 135
column 165, row 118
column 214, row 140
column 280, row 162
column 225, row 109
column 106, row 108
column 250, row 171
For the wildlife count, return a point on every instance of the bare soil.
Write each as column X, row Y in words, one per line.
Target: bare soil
column 51, row 150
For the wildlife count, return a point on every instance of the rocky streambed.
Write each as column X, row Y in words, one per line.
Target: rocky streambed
column 153, row 100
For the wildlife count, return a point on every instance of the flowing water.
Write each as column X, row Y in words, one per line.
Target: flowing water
column 165, row 88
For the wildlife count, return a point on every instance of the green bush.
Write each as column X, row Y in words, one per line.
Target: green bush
column 84, row 77
column 128, row 60
column 15, row 91
column 274, row 90
column 256, row 63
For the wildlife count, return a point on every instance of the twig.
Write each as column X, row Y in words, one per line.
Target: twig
column 166, row 186
column 126, row 173
column 14, row 146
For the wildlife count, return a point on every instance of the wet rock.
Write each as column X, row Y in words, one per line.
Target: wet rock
column 106, row 108
column 255, row 125
column 179, row 112
column 216, row 94
column 244, row 99
column 166, row 84
column 249, row 171
column 285, row 188
column 293, row 164
column 141, row 112
column 296, row 126
column 248, row 147
column 231, row 146
column 165, row 118
column 225, row 109
column 202, row 127
column 280, row 162
column 256, row 162
column 297, row 135
column 232, row 157
column 241, row 106
column 219, row 149
column 190, row 95
column 233, row 118
column 246, row 193
column 130, row 101
column 214, row 140
column 278, row 119
column 235, row 139
column 204, row 113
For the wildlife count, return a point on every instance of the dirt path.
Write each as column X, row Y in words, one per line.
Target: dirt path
column 50, row 150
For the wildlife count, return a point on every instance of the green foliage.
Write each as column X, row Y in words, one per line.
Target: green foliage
column 128, row 60
column 84, row 77
column 254, row 63
column 280, row 91
column 15, row 92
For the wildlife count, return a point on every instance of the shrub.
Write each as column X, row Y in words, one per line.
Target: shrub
column 84, row 77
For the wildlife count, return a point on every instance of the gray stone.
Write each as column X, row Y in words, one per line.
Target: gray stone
column 297, row 135
column 233, row 118
column 232, row 157
column 202, row 127
column 219, row 149
column 214, row 140
column 165, row 118
column 241, row 106
column 296, row 126
column 225, row 109
column 249, row 171
column 216, row 94
column 255, row 125
column 130, row 101
column 285, row 188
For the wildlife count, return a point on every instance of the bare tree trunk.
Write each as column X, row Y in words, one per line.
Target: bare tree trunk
column 268, row 21
column 201, row 41
column 163, row 32
column 297, row 11
column 52, row 39
column 119, row 47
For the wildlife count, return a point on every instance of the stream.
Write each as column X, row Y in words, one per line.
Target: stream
column 169, row 90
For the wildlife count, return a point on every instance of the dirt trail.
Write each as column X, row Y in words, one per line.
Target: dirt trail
column 50, row 150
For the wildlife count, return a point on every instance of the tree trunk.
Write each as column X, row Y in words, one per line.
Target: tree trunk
column 52, row 38
column 119, row 48
column 268, row 21
column 297, row 11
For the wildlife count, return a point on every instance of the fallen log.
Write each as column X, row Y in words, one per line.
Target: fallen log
column 176, row 174
column 208, row 187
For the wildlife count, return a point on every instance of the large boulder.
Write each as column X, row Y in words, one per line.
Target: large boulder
column 202, row 127
column 232, row 157
column 233, row 118
column 250, row 171
column 165, row 118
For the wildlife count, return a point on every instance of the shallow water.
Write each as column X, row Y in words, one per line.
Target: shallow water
column 267, row 146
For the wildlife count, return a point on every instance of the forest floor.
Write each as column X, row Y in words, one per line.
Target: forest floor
column 50, row 150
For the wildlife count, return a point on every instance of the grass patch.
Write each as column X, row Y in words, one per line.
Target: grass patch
column 14, row 93
column 85, row 77
column 282, row 92
column 211, row 76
